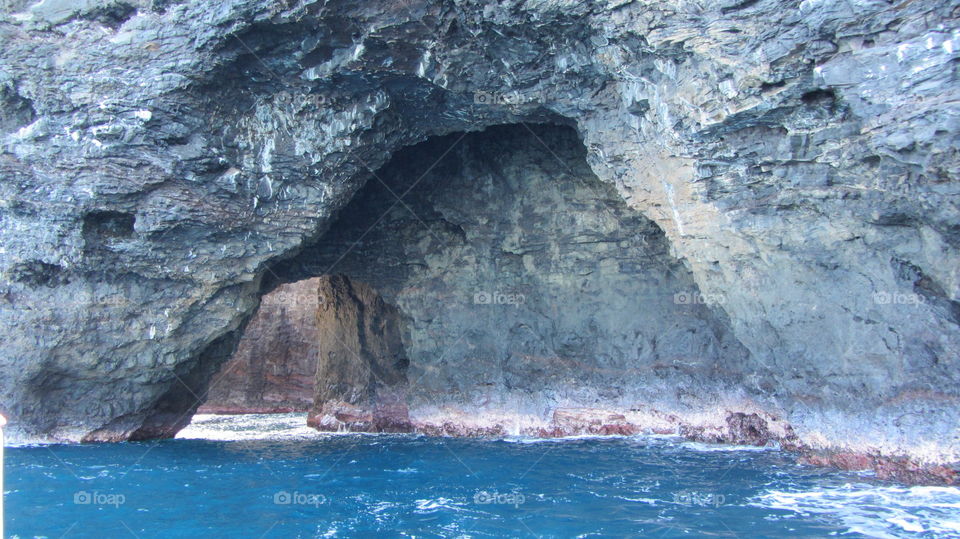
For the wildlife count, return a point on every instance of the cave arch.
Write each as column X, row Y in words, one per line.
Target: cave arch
column 816, row 201
column 525, row 286
column 328, row 339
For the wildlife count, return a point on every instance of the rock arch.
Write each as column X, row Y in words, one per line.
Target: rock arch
column 527, row 290
column 791, row 176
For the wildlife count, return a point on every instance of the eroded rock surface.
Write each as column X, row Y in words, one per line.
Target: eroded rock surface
column 275, row 364
column 525, row 284
column 800, row 158
column 362, row 369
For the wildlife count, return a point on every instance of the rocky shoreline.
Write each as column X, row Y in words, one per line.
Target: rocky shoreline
column 755, row 429
column 738, row 428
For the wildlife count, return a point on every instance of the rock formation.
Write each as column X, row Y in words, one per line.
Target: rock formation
column 166, row 165
column 361, row 374
column 526, row 285
column 275, row 364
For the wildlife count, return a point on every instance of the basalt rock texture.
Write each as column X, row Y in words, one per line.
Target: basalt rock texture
column 799, row 157
column 361, row 374
column 275, row 364
column 525, row 284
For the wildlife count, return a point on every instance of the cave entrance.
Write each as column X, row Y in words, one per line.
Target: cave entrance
column 327, row 339
column 511, row 285
column 273, row 368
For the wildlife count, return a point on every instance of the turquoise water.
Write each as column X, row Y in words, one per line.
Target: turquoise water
column 269, row 477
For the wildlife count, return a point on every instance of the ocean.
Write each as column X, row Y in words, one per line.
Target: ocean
column 270, row 476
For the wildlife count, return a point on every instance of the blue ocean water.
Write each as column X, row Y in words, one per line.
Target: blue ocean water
column 269, row 476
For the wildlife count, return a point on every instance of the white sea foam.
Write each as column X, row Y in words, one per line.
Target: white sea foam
column 247, row 427
column 434, row 505
column 885, row 512
column 531, row 440
column 661, row 436
column 649, row 501
column 709, row 448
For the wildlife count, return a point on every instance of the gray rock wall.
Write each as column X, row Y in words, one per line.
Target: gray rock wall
column 800, row 157
column 526, row 284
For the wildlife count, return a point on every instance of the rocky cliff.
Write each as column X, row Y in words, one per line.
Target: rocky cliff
column 361, row 373
column 275, row 364
column 165, row 165
column 525, row 284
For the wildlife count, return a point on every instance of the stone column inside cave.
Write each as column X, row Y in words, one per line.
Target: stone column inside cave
column 326, row 339
column 488, row 283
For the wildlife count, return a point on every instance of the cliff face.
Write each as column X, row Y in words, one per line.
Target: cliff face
column 275, row 363
column 361, row 374
column 797, row 159
column 525, row 284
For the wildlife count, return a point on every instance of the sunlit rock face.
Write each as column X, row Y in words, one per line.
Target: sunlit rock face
column 800, row 159
column 275, row 364
column 361, row 372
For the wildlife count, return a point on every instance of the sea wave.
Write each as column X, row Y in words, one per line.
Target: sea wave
column 533, row 440
column 433, row 505
column 247, row 427
column 709, row 448
column 884, row 512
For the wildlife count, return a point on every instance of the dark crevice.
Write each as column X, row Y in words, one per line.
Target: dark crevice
column 929, row 289
column 107, row 224
column 112, row 14
column 770, row 86
column 38, row 273
column 819, row 96
column 16, row 111
column 105, row 229
column 744, row 4
column 317, row 56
